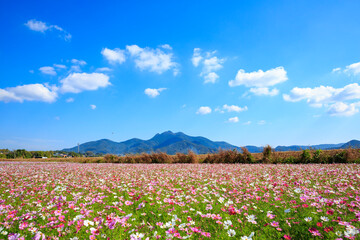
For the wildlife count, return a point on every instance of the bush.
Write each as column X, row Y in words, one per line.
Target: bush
column 109, row 158
column 246, row 156
column 317, row 157
column 340, row 157
column 305, row 156
column 289, row 160
column 267, row 154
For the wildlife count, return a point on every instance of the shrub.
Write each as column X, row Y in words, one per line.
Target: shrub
column 340, row 157
column 305, row 156
column 317, row 157
column 289, row 160
column 109, row 158
column 161, row 158
column 192, row 158
column 246, row 156
column 267, row 154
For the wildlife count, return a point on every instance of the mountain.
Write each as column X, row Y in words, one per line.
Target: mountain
column 172, row 143
column 167, row 142
column 299, row 148
column 351, row 144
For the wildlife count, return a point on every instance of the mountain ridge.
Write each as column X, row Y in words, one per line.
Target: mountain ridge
column 172, row 143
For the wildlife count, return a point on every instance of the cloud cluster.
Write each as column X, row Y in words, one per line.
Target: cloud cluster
column 204, row 110
column 352, row 69
column 264, row 91
column 114, row 56
column 260, row 81
column 48, row 70
column 233, row 120
column 210, row 64
column 153, row 92
column 234, row 108
column 153, row 60
column 156, row 60
column 73, row 83
column 259, row 78
column 29, row 92
column 225, row 108
column 79, row 82
column 43, row 27
column 332, row 98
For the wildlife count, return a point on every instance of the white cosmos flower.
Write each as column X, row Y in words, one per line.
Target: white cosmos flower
column 227, row 222
column 137, row 236
column 325, row 219
column 231, row 233
column 248, row 237
column 297, row 190
column 308, row 219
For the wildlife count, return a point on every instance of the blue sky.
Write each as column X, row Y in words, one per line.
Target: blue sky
column 246, row 72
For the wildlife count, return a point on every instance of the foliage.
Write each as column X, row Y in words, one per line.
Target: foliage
column 305, row 156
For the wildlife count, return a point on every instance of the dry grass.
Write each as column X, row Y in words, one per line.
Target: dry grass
column 228, row 156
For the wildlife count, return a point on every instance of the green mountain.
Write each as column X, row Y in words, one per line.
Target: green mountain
column 167, row 142
column 172, row 143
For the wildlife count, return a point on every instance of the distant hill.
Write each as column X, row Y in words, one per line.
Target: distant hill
column 298, row 148
column 351, row 144
column 172, row 143
column 167, row 142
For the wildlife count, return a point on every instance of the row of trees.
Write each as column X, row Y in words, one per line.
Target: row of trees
column 233, row 156
column 22, row 153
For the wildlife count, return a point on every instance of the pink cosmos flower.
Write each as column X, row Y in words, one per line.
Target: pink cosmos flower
column 128, row 203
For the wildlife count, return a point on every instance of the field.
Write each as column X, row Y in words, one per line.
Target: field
column 179, row 201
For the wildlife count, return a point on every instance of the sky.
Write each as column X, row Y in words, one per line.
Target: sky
column 244, row 72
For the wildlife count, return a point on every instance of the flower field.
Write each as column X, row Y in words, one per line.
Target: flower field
column 179, row 201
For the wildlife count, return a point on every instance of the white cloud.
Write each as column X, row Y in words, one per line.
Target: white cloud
column 40, row 26
column 93, row 107
column 69, row 100
column 233, row 120
column 247, row 123
column 37, row 26
column 78, row 82
column 323, row 95
column 204, row 110
column 78, row 62
column 103, row 69
column 30, row 92
column 330, row 97
column 234, row 108
column 196, row 58
column 261, row 122
column 353, row 69
column 76, row 67
column 61, row 66
column 166, row 46
column 343, row 109
column 153, row 60
column 336, row 70
column 264, row 91
column 259, row 78
column 211, row 77
column 210, row 64
column 153, row 92
column 114, row 56
column 48, row 70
